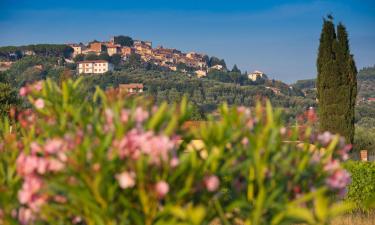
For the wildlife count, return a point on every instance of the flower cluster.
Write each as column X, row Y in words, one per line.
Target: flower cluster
column 28, row 89
column 136, row 142
column 133, row 163
column 49, row 158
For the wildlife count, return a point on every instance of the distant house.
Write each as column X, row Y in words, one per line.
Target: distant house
column 131, row 88
column 127, row 51
column 217, row 67
column 97, row 47
column 113, row 49
column 371, row 100
column 94, row 67
column 201, row 73
column 276, row 91
column 138, row 42
column 257, row 75
column 28, row 52
column 5, row 65
column 78, row 49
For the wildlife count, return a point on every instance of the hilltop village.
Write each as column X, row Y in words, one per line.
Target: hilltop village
column 168, row 58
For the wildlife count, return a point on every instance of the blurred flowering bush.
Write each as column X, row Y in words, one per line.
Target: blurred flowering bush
column 115, row 159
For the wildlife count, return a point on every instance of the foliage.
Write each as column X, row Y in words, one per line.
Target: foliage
column 337, row 82
column 123, row 40
column 362, row 187
column 32, row 68
column 367, row 73
column 235, row 69
column 364, row 139
column 45, row 50
column 8, row 98
column 305, row 84
column 216, row 61
column 106, row 160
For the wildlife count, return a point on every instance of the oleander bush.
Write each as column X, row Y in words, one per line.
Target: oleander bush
column 115, row 159
column 361, row 190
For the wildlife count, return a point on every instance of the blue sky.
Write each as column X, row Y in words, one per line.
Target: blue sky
column 278, row 37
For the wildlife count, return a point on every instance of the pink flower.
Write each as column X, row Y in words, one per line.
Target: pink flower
column 76, row 220
column 39, row 103
column 35, row 148
column 30, row 186
column 212, row 183
column 26, row 164
column 124, row 116
column 23, row 91
column 126, row 179
column 244, row 110
column 55, row 165
column 339, row 179
column 54, row 145
column 25, row 216
column 245, row 141
column 161, row 188
column 283, row 130
column 109, row 116
column 344, row 152
column 140, row 115
column 42, row 166
column 38, row 86
column 325, row 138
column 60, row 199
column 332, row 166
column 174, row 162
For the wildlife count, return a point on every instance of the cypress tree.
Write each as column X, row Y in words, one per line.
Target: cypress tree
column 337, row 82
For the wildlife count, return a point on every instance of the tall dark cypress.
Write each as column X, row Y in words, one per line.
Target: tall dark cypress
column 337, row 82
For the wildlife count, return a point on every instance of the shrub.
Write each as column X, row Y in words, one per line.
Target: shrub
column 362, row 188
column 113, row 159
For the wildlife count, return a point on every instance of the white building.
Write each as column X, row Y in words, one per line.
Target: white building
column 217, row 67
column 257, row 75
column 94, row 67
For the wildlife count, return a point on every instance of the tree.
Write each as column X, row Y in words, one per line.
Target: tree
column 8, row 98
column 115, row 59
column 104, row 56
column 123, row 40
column 91, row 56
column 216, row 61
column 79, row 58
column 337, row 82
column 235, row 69
column 134, row 60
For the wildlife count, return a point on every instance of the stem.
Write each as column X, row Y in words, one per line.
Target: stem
column 221, row 212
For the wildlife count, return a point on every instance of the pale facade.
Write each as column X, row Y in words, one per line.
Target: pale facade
column 201, row 73
column 131, row 88
column 256, row 75
column 94, row 67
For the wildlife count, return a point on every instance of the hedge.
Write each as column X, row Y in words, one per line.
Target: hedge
column 362, row 188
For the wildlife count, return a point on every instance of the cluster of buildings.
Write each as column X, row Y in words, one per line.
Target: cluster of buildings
column 165, row 57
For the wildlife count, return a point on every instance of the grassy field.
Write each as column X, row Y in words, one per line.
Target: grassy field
column 356, row 219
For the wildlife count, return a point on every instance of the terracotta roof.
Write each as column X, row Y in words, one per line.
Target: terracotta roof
column 93, row 61
column 133, row 85
column 113, row 46
column 371, row 99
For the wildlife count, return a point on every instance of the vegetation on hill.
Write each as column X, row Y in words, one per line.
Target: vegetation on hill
column 336, row 81
column 206, row 93
column 46, row 50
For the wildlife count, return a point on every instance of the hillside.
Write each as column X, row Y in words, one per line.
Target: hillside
column 206, row 93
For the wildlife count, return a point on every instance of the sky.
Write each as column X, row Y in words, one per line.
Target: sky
column 278, row 37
